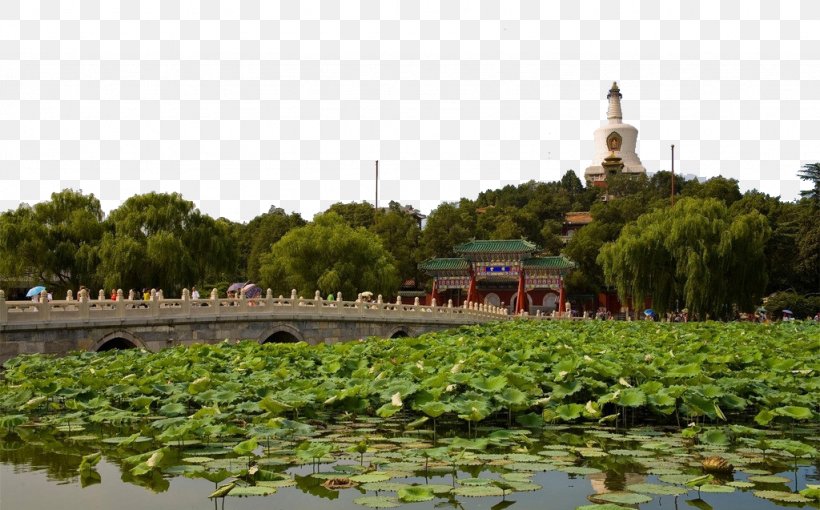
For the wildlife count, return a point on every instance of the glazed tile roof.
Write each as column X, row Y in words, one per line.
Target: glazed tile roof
column 452, row 264
column 559, row 262
column 496, row 246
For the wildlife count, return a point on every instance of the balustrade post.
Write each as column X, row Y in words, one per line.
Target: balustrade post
column 339, row 296
column 398, row 300
column 214, row 301
column 84, row 304
column 433, row 303
column 4, row 312
column 45, row 306
column 293, row 298
column 269, row 298
column 154, row 303
column 131, row 295
column 120, row 304
column 416, row 301
column 449, row 303
column 186, row 302
column 69, row 296
column 101, row 295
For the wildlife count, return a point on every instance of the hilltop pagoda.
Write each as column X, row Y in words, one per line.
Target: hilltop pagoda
column 497, row 272
column 614, row 145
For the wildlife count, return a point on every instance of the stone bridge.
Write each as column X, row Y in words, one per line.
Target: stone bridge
column 58, row 327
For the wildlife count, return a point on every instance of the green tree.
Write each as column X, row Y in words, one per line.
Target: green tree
column 608, row 220
column 162, row 241
column 696, row 251
column 356, row 215
column 262, row 233
column 330, row 256
column 400, row 234
column 811, row 172
column 721, row 188
column 55, row 242
column 448, row 225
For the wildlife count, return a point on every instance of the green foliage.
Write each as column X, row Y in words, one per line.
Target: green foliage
column 811, row 172
column 161, row 241
column 56, row 241
column 675, row 253
column 330, row 256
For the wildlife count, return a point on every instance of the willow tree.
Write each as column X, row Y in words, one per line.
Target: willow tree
column 696, row 252
column 54, row 242
column 159, row 240
column 329, row 256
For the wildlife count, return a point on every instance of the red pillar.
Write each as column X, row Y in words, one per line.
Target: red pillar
column 471, row 290
column 522, row 294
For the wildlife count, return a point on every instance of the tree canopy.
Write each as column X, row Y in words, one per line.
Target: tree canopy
column 696, row 252
column 330, row 256
column 54, row 242
column 162, row 241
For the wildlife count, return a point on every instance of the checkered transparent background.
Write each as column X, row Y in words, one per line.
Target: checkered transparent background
column 244, row 105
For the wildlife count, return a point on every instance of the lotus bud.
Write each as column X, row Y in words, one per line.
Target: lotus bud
column 396, row 399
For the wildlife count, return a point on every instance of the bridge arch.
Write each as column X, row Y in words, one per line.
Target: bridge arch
column 118, row 340
column 399, row 332
column 281, row 333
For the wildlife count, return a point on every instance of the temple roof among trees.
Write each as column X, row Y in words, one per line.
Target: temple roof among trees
column 496, row 246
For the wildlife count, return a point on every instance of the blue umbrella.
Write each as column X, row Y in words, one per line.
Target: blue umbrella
column 35, row 290
column 788, row 312
column 649, row 311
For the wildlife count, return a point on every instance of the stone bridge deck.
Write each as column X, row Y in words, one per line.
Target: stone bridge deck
column 62, row 326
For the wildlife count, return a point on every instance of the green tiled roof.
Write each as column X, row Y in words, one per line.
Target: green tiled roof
column 496, row 246
column 454, row 264
column 559, row 262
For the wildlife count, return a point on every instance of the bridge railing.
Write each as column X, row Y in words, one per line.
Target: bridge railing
column 84, row 309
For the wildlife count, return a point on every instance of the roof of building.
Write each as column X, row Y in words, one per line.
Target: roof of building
column 451, row 264
column 557, row 262
column 496, row 246
column 578, row 217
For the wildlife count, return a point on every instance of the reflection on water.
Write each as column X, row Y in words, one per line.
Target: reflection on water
column 574, row 467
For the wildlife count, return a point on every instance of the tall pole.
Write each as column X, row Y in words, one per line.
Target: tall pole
column 377, row 184
column 673, row 174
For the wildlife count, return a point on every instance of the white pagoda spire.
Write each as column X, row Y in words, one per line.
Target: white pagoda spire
column 614, row 139
column 614, row 112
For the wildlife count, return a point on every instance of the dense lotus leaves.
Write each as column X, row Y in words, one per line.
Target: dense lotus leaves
column 693, row 371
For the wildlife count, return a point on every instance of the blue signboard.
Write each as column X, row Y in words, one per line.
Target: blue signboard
column 498, row 269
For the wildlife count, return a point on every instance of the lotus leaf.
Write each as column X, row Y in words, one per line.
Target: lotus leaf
column 371, row 477
column 252, row 490
column 711, row 487
column 786, row 497
column 478, row 491
column 415, row 494
column 383, row 486
column 627, row 498
column 377, row 502
column 768, row 479
column 656, row 489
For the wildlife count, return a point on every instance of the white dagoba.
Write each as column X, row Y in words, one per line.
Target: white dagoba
column 614, row 137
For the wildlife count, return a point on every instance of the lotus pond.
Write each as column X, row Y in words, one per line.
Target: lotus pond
column 524, row 414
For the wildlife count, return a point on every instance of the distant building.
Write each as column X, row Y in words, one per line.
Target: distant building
column 573, row 221
column 499, row 273
column 614, row 145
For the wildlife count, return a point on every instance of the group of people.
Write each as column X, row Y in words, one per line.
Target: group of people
column 145, row 295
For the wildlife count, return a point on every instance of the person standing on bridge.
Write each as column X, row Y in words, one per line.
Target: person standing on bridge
column 194, row 293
